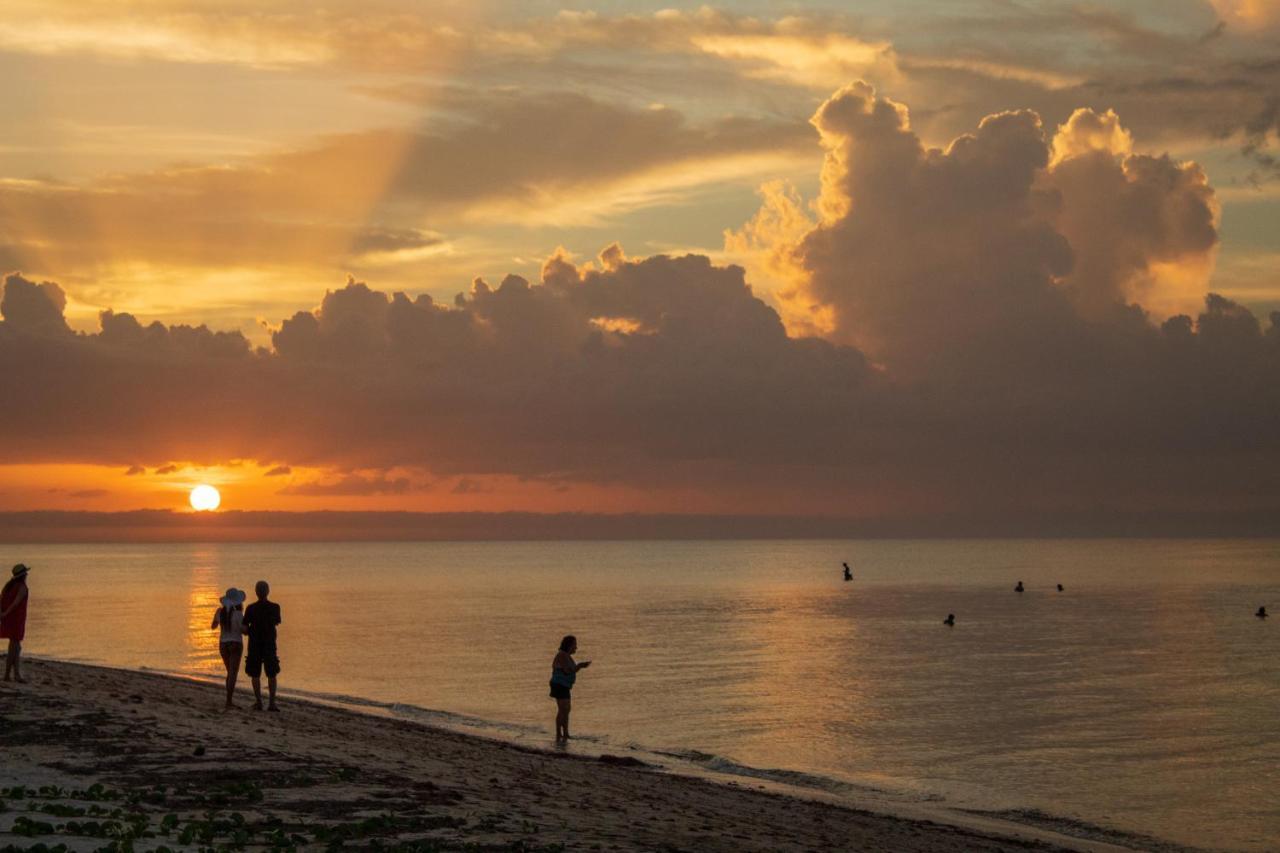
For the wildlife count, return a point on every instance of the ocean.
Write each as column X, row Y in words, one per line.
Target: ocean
column 1144, row 697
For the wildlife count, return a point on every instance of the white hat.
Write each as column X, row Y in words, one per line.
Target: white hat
column 233, row 597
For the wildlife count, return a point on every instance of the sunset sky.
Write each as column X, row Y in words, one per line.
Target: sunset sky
column 761, row 258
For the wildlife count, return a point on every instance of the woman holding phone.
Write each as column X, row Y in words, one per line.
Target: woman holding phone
column 564, row 671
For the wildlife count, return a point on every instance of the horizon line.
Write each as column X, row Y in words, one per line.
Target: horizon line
column 168, row 525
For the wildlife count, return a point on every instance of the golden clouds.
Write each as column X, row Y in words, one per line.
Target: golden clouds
column 919, row 252
column 1088, row 131
column 237, row 34
column 382, row 198
column 805, row 59
column 1249, row 14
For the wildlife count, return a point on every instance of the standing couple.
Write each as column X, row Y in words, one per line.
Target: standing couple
column 258, row 621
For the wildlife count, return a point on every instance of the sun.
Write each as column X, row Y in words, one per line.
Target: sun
column 205, row 498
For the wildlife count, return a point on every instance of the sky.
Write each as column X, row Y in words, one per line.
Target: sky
column 896, row 260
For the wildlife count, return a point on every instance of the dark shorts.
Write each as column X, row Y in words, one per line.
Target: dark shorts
column 260, row 659
column 559, row 691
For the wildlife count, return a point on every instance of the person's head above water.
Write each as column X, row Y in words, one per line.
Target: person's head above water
column 569, row 644
column 950, row 620
column 263, row 589
column 1262, row 612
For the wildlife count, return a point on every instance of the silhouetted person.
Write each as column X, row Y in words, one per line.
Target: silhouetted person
column 1059, row 587
column 260, row 621
column 848, row 575
column 1019, row 587
column 230, row 618
column 13, row 621
column 1262, row 613
column 950, row 620
column 564, row 670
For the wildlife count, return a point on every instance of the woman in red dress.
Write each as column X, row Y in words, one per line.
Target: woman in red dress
column 13, row 621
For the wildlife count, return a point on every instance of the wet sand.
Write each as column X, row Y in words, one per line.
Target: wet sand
column 101, row 754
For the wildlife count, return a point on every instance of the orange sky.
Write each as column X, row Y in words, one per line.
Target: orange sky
column 641, row 257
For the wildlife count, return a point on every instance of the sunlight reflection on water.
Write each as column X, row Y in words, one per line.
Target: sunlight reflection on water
column 1144, row 696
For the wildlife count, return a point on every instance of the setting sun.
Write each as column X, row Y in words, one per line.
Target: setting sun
column 205, row 498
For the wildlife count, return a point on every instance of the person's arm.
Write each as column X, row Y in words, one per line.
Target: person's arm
column 215, row 617
column 246, row 622
column 581, row 665
column 17, row 599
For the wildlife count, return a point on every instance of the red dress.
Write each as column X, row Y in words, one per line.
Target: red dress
column 14, row 626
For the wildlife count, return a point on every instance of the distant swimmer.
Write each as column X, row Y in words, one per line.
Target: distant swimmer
column 950, row 620
column 1262, row 613
column 1019, row 587
column 848, row 575
column 1059, row 587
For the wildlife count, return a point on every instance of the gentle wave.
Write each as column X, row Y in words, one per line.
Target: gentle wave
column 710, row 765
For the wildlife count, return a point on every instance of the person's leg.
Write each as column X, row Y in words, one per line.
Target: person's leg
column 15, row 654
column 225, row 651
column 562, row 718
column 253, row 669
column 271, row 663
column 231, row 660
column 9, row 658
column 234, row 674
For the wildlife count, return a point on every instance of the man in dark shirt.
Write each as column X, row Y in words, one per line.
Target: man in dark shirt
column 260, row 621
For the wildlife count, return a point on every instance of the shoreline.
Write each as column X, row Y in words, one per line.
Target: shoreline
column 321, row 771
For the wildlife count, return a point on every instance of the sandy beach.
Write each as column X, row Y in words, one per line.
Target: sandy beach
column 94, row 756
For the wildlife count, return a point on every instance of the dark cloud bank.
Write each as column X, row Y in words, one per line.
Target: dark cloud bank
column 990, row 367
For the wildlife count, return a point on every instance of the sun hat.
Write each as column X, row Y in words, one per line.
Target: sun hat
column 233, row 597
column 20, row 570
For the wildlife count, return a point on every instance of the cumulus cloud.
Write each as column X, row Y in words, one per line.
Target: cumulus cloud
column 1009, row 361
column 34, row 307
column 279, row 471
column 167, row 469
column 1141, row 228
column 920, row 252
column 134, row 471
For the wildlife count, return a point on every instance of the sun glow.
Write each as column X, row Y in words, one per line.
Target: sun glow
column 205, row 498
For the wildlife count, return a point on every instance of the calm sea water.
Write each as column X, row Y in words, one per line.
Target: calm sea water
column 1145, row 697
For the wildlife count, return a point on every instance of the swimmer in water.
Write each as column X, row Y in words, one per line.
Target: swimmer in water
column 1262, row 613
column 1059, row 587
column 848, row 575
column 1019, row 587
column 950, row 620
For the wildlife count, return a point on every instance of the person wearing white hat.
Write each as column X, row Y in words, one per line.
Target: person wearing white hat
column 229, row 617
column 13, row 621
